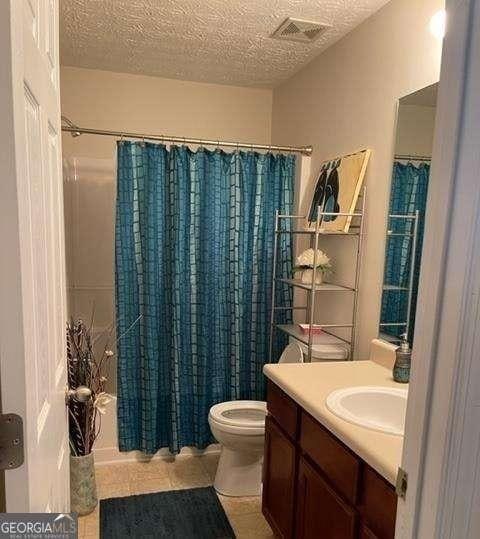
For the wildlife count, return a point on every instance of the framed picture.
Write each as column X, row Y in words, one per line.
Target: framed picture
column 337, row 189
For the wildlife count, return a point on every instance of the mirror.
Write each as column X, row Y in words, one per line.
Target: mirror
column 406, row 214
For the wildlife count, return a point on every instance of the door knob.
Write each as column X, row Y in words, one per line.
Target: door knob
column 80, row 394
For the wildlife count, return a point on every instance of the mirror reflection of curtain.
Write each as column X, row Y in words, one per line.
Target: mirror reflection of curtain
column 408, row 194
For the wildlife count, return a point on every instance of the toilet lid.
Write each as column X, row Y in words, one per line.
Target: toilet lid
column 292, row 354
column 327, row 347
column 240, row 413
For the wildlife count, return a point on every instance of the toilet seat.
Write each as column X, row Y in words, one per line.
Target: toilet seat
column 248, row 417
column 236, row 416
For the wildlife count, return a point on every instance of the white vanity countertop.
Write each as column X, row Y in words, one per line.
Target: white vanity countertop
column 309, row 384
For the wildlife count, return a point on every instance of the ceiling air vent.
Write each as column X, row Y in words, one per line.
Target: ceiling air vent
column 300, row 30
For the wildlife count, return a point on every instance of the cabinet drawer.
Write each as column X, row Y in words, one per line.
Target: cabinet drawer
column 283, row 409
column 338, row 463
column 378, row 504
column 320, row 512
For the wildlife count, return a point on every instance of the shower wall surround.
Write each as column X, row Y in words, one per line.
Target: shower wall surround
column 89, row 203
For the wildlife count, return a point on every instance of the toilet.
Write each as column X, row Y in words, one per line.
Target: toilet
column 239, row 426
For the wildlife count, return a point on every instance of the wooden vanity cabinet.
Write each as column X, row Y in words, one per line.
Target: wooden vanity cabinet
column 377, row 504
column 337, row 462
column 315, row 487
column 320, row 511
column 280, row 462
column 278, row 495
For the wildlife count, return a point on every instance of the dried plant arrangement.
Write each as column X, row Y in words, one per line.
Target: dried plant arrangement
column 86, row 371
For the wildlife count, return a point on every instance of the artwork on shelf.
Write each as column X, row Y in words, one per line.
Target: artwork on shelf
column 337, row 189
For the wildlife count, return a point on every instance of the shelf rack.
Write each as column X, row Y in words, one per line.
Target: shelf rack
column 413, row 234
column 356, row 232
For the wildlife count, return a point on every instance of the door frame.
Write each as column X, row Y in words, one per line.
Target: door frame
column 442, row 445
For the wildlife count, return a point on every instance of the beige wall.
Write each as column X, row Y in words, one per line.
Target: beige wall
column 119, row 101
column 345, row 100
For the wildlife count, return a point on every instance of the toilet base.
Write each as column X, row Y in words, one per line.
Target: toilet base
column 239, row 473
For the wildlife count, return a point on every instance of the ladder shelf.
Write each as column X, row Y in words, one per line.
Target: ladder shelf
column 308, row 338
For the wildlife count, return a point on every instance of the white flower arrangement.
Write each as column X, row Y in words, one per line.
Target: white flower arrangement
column 306, row 261
column 102, row 400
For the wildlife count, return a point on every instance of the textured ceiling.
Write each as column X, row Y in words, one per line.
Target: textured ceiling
column 220, row 41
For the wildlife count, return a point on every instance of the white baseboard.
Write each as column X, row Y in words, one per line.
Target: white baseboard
column 111, row 455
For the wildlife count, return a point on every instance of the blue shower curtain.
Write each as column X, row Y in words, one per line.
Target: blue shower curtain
column 194, row 251
column 409, row 193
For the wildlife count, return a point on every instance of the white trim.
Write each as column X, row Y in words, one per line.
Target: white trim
column 442, row 433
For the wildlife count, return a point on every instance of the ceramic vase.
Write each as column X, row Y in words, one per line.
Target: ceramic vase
column 307, row 276
column 83, row 489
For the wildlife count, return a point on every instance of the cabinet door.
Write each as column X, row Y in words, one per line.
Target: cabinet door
column 378, row 504
column 278, row 480
column 337, row 462
column 320, row 512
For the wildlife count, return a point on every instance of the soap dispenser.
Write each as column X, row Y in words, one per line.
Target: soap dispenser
column 403, row 359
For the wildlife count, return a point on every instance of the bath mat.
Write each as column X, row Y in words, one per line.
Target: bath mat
column 194, row 513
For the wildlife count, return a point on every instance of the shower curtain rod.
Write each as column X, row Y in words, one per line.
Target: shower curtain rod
column 413, row 157
column 76, row 131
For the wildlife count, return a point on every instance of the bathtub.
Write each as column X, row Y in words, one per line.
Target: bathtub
column 106, row 446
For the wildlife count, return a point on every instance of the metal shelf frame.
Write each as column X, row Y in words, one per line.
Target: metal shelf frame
column 357, row 233
column 324, row 287
column 411, row 275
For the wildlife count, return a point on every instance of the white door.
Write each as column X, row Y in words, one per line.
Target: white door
column 32, row 260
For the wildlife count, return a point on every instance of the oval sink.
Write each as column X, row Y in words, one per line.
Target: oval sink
column 377, row 408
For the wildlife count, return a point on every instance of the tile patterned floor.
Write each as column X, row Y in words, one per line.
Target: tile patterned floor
column 183, row 472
